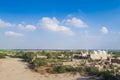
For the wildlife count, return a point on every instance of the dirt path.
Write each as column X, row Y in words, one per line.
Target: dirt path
column 15, row 69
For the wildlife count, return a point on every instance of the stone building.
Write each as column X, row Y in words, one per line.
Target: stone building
column 96, row 55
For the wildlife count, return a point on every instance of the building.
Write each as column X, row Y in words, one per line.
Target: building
column 96, row 55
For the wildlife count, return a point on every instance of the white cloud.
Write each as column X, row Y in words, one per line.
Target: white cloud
column 27, row 27
column 30, row 27
column 11, row 33
column 75, row 22
column 5, row 24
column 53, row 24
column 104, row 30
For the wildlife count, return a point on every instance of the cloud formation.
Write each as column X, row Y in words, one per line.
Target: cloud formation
column 75, row 22
column 52, row 24
column 104, row 30
column 11, row 33
column 27, row 27
column 5, row 24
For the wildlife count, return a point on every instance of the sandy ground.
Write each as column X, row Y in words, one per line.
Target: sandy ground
column 15, row 69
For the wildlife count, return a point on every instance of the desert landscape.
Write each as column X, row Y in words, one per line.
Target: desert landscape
column 59, row 39
column 15, row 69
column 59, row 65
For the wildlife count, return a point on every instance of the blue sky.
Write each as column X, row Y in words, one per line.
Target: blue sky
column 60, row 24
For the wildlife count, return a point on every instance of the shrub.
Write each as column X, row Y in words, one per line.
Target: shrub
column 49, row 55
column 92, row 70
column 107, row 75
column 70, row 69
column 59, row 69
column 80, row 69
column 2, row 55
column 63, row 69
column 40, row 62
column 28, row 56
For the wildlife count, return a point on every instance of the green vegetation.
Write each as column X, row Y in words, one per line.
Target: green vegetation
column 107, row 75
column 60, row 69
column 2, row 55
column 40, row 62
column 92, row 70
column 63, row 69
column 28, row 56
column 116, row 53
column 49, row 55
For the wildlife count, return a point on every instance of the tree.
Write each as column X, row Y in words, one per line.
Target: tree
column 40, row 62
column 49, row 56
